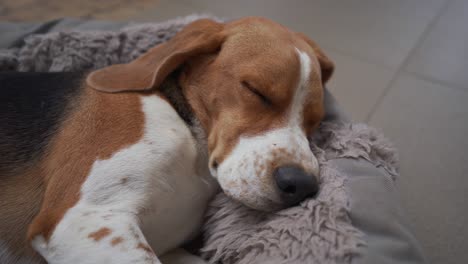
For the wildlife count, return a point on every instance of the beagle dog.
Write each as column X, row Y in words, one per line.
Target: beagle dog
column 117, row 165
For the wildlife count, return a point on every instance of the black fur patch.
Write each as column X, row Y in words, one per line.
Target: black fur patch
column 31, row 108
column 173, row 92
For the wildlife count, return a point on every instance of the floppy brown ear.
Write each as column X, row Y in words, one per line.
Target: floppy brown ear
column 149, row 70
column 326, row 65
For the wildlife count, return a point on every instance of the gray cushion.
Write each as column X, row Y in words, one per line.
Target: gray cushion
column 375, row 210
column 374, row 206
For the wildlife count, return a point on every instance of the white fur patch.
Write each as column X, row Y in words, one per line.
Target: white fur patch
column 302, row 90
column 147, row 194
column 246, row 174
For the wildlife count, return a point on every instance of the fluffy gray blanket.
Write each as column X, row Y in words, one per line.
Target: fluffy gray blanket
column 317, row 231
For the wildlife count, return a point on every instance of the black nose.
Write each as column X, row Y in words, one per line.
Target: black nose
column 295, row 184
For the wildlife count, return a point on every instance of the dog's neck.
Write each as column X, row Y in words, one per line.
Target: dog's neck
column 172, row 91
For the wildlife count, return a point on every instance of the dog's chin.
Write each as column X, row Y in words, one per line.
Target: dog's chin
column 266, row 207
column 262, row 204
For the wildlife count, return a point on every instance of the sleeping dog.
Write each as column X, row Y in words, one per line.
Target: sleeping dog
column 117, row 165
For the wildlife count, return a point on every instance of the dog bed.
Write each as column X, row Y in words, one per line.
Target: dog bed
column 354, row 219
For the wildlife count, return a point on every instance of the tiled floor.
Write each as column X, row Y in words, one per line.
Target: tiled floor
column 401, row 65
column 33, row 10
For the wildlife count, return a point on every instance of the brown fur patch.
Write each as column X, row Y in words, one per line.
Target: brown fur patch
column 100, row 234
column 145, row 248
column 98, row 127
column 116, row 240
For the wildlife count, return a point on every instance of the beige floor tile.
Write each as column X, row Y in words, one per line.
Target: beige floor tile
column 40, row 10
column 429, row 124
column 165, row 10
column 443, row 55
column 381, row 31
column 357, row 84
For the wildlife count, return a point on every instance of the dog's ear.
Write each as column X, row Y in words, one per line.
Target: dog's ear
column 150, row 70
column 326, row 65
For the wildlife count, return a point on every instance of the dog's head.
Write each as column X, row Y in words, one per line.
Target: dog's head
column 256, row 89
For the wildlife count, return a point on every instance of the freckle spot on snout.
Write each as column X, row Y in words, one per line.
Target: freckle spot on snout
column 230, row 184
column 262, row 167
column 107, row 217
column 88, row 213
column 100, row 234
column 116, row 240
column 145, row 248
column 124, row 180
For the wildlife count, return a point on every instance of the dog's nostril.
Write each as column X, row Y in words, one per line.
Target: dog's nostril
column 290, row 189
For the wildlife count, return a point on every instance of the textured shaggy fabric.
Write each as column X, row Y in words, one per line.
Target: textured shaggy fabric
column 82, row 50
column 317, row 231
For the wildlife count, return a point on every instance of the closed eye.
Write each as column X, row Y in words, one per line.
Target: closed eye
column 256, row 92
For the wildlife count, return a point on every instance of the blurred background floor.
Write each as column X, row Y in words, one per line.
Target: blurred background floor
column 402, row 66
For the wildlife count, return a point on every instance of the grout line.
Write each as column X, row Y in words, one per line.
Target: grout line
column 436, row 81
column 363, row 59
column 401, row 68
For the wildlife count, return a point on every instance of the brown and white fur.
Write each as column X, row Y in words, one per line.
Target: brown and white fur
column 139, row 149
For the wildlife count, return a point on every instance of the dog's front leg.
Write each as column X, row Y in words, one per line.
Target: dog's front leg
column 92, row 235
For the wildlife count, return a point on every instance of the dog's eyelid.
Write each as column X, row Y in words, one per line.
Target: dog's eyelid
column 255, row 91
